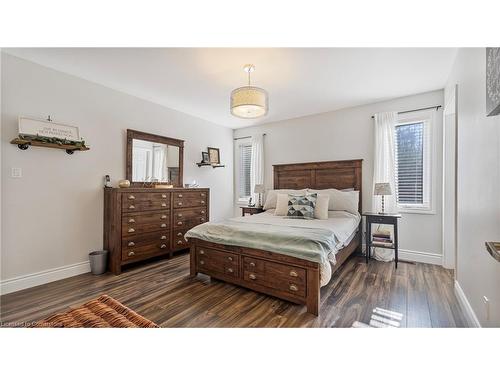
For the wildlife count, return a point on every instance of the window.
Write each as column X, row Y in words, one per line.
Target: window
column 413, row 164
column 245, row 156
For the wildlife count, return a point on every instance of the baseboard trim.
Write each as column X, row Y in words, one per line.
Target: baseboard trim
column 471, row 317
column 420, row 257
column 43, row 277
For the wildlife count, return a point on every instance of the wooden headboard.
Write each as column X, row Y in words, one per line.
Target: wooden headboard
column 341, row 174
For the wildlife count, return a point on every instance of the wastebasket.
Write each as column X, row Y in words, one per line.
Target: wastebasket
column 98, row 261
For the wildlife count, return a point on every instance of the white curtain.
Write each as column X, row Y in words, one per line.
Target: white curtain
column 257, row 164
column 383, row 170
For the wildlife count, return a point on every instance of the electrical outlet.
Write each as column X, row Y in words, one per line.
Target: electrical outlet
column 16, row 172
column 487, row 307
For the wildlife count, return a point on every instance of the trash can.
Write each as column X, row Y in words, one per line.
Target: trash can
column 98, row 261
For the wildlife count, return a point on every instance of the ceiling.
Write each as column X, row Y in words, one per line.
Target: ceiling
column 300, row 81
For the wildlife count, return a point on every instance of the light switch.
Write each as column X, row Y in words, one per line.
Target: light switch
column 16, row 172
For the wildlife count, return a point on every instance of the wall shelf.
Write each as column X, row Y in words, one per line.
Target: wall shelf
column 24, row 144
column 210, row 165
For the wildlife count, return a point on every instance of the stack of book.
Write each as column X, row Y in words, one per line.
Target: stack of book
column 382, row 238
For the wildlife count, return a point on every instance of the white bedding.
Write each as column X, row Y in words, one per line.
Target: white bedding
column 342, row 223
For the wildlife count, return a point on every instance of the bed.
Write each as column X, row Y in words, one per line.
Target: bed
column 247, row 252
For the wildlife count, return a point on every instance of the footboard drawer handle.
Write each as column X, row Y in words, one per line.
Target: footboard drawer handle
column 179, row 242
column 202, row 211
column 230, row 270
column 163, row 246
column 179, row 204
column 179, row 223
column 252, row 264
column 293, row 273
column 131, row 254
column 293, row 287
column 164, row 195
column 230, row 259
column 163, row 238
column 202, row 262
column 131, row 243
column 202, row 202
column 131, row 207
column 202, row 194
column 202, row 252
column 179, row 215
column 164, row 205
column 131, row 220
column 131, row 197
column 202, row 219
column 163, row 225
column 163, row 216
column 131, row 230
column 179, row 234
column 180, row 195
column 252, row 276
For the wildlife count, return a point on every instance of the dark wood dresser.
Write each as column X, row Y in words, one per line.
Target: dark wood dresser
column 141, row 223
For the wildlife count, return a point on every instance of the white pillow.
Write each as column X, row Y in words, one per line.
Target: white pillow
column 272, row 196
column 281, row 205
column 341, row 200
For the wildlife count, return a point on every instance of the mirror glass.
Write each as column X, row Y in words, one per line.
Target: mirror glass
column 155, row 162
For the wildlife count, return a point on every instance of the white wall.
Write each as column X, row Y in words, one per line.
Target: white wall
column 52, row 216
column 478, row 211
column 348, row 134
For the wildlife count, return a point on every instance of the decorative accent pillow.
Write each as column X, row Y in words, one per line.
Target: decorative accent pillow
column 321, row 209
column 281, row 205
column 301, row 206
column 272, row 196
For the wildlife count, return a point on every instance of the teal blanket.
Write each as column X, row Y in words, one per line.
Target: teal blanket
column 313, row 244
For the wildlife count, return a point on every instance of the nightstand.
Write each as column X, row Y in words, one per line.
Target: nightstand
column 251, row 210
column 376, row 218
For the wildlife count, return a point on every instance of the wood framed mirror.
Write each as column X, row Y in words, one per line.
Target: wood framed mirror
column 154, row 159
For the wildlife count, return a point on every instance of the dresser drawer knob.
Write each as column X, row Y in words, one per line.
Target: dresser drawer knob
column 131, row 243
column 163, row 225
column 163, row 246
column 293, row 287
column 230, row 259
column 202, row 202
column 180, row 195
column 293, row 273
column 131, row 197
column 252, row 276
column 163, row 216
column 179, row 242
column 131, row 207
column 179, row 223
column 179, row 215
column 202, row 252
column 163, row 237
column 131, row 220
column 179, row 204
column 202, row 211
column 131, row 230
column 202, row 194
column 202, row 262
column 164, row 195
column 179, row 234
column 252, row 264
column 131, row 253
column 230, row 270
column 202, row 219
column 164, row 205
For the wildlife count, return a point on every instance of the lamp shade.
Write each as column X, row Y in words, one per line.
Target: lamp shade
column 249, row 102
column 382, row 188
column 258, row 188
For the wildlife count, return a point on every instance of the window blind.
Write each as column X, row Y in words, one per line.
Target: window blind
column 244, row 178
column 409, row 147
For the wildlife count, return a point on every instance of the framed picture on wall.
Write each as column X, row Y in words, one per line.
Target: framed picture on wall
column 204, row 157
column 214, row 155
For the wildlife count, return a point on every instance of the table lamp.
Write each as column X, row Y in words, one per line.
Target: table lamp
column 382, row 188
column 259, row 189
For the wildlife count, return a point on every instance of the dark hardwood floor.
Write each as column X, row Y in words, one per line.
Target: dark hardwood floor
column 414, row 295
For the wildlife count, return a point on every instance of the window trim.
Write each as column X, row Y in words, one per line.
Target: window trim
column 237, row 144
column 429, row 182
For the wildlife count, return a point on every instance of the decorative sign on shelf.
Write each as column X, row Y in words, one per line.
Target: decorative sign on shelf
column 49, row 129
column 492, row 81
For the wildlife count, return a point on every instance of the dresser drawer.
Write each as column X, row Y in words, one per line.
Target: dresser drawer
column 190, row 199
column 179, row 242
column 155, row 247
column 274, row 275
column 138, row 241
column 138, row 218
column 190, row 213
column 222, row 262
column 145, row 223
column 189, row 223
column 134, row 202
